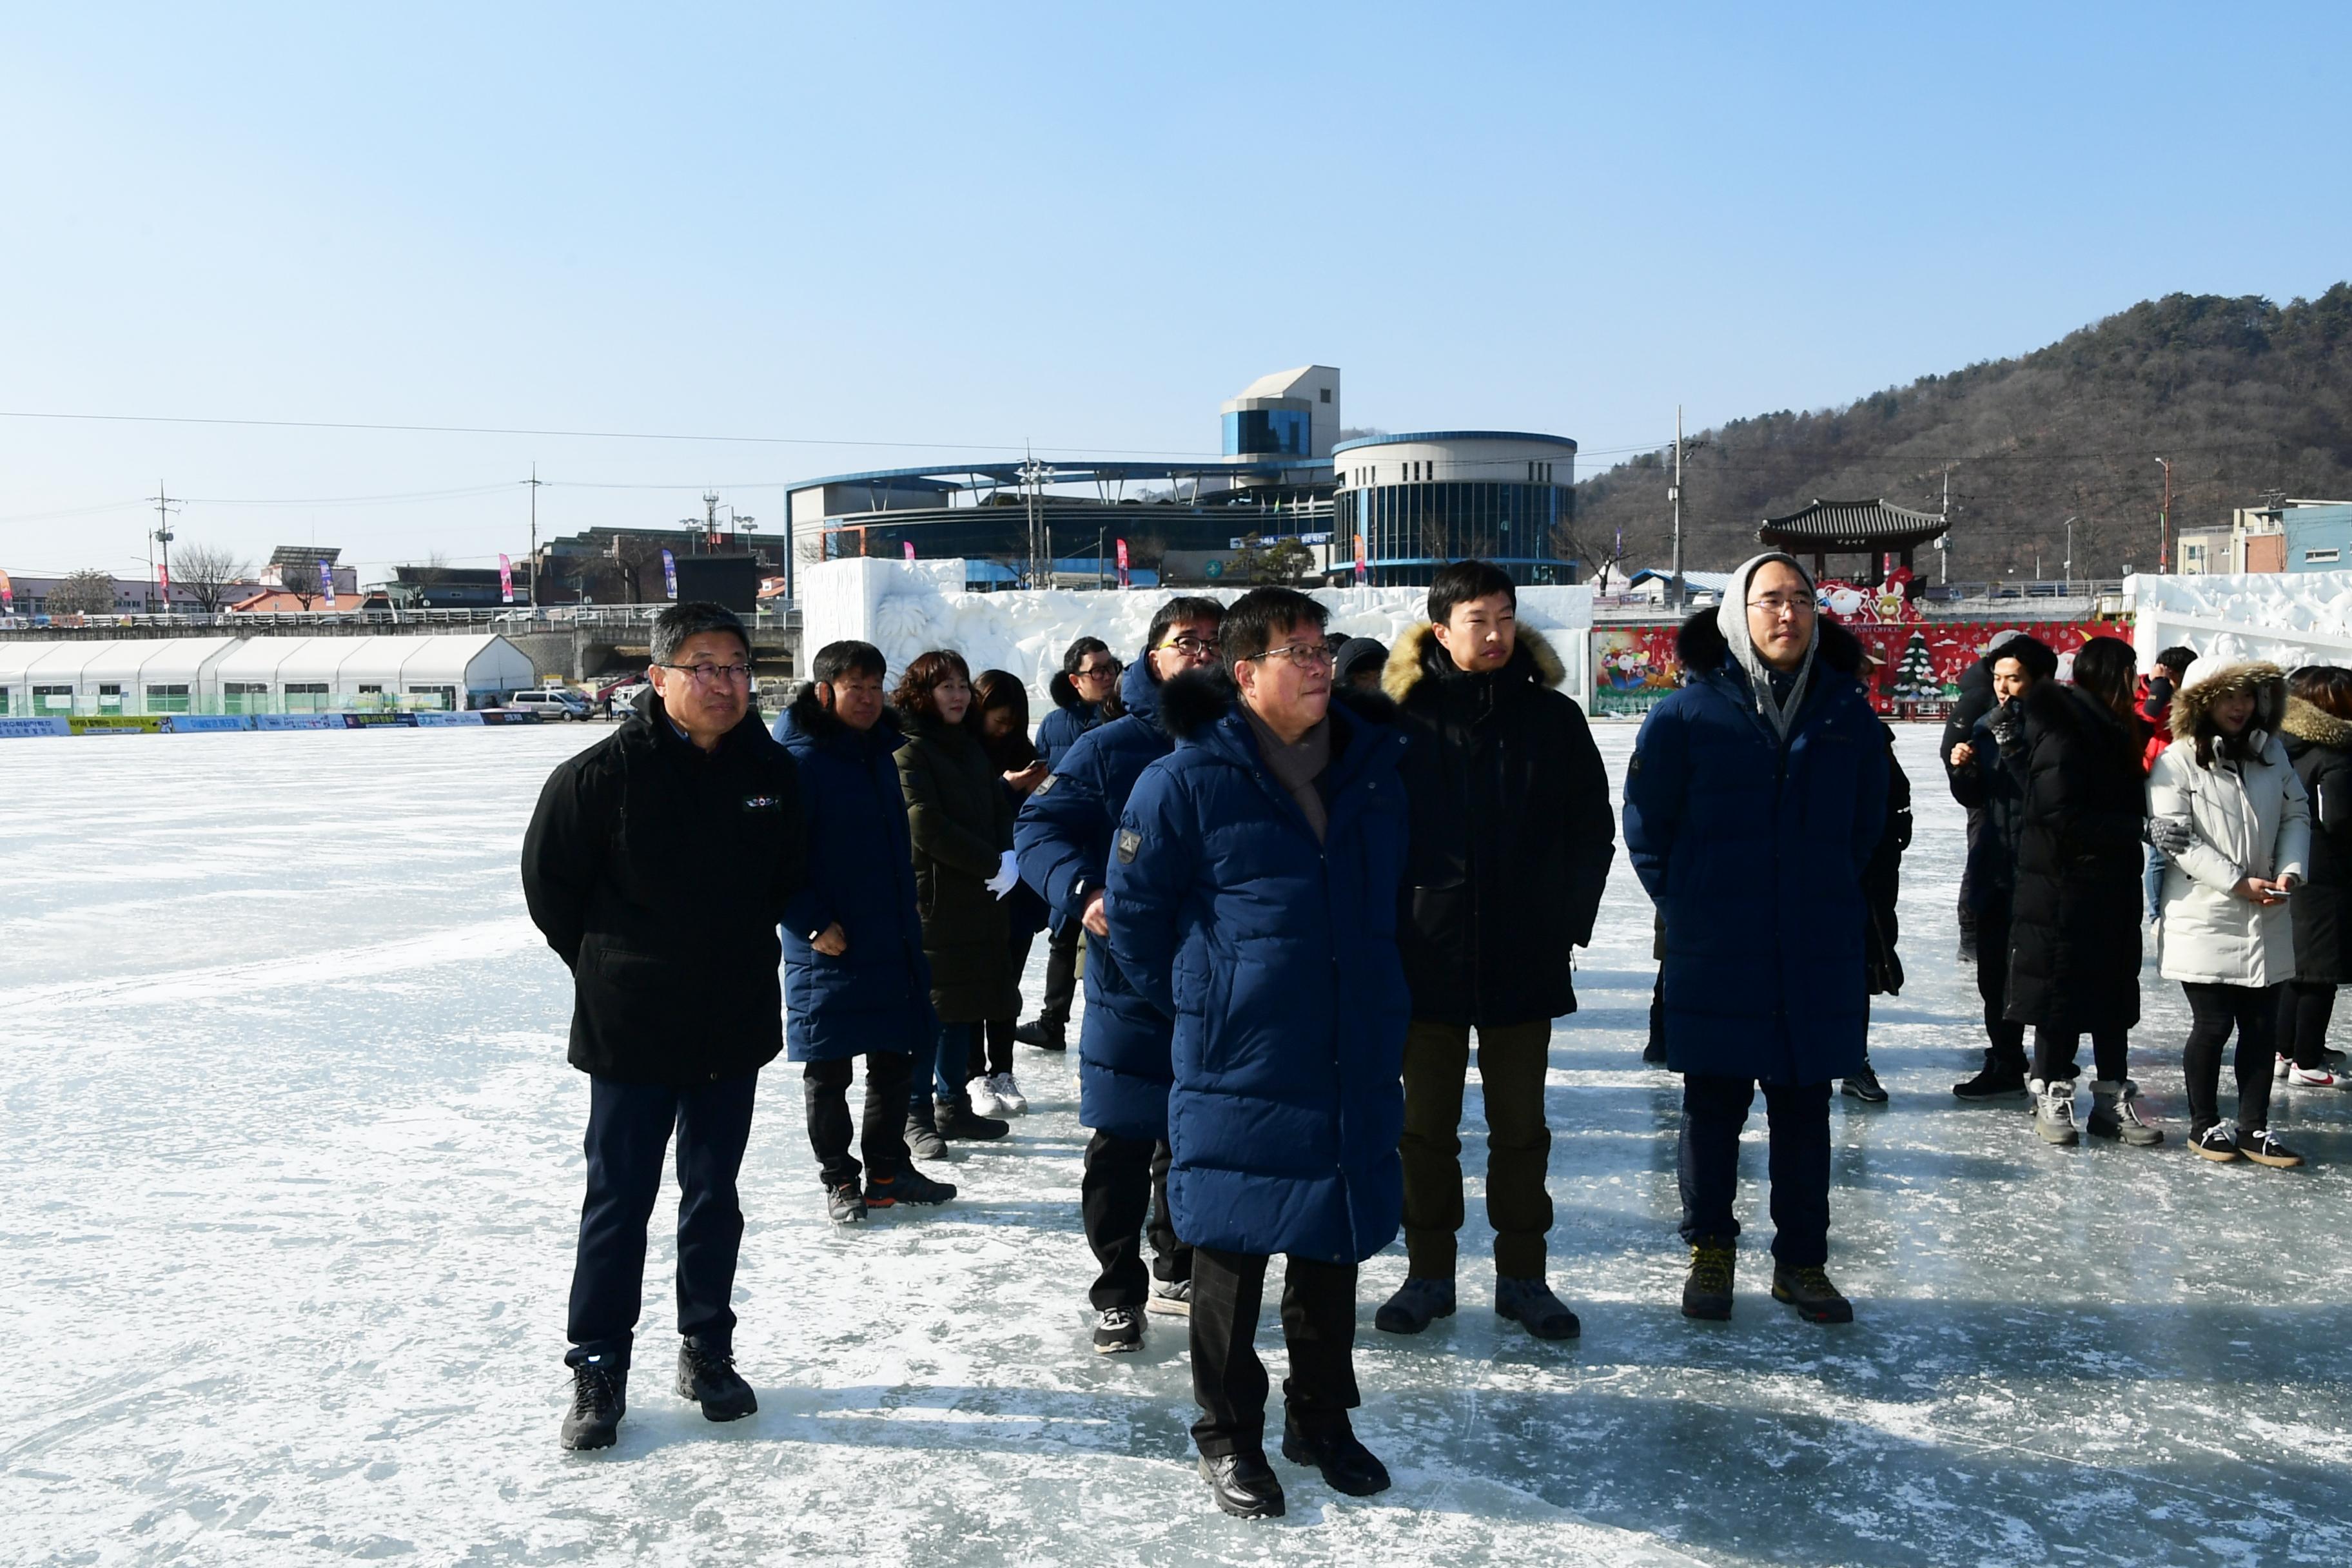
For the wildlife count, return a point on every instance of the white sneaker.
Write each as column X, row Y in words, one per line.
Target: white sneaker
column 2279, row 1068
column 1010, row 1100
column 2313, row 1078
column 981, row 1092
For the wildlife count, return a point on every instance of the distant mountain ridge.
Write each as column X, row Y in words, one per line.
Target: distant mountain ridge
column 2242, row 396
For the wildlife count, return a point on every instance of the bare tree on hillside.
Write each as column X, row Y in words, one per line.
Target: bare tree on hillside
column 206, row 572
column 86, row 593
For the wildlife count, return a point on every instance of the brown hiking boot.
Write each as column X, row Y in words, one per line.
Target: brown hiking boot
column 1706, row 1292
column 1809, row 1291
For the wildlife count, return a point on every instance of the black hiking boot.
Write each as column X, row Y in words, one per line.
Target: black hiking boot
column 923, row 1139
column 1706, row 1289
column 844, row 1204
column 1346, row 1465
column 1414, row 1306
column 710, row 1379
column 1809, row 1291
column 600, row 1395
column 1864, row 1087
column 1530, row 1302
column 1044, row 1035
column 1992, row 1083
column 958, row 1121
column 1243, row 1485
column 908, row 1187
column 1117, row 1329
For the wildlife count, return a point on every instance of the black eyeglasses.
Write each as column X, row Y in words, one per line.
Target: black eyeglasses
column 712, row 674
column 1304, row 654
column 1192, row 646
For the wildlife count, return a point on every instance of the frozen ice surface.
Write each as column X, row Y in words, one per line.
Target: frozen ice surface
column 292, row 1166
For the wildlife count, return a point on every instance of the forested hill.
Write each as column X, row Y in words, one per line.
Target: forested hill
column 2244, row 397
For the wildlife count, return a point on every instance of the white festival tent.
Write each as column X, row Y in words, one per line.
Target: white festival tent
column 258, row 675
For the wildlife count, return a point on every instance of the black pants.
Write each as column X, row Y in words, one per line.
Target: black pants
column 1969, row 928
column 1061, row 976
column 882, row 1130
column 998, row 1056
column 2005, row 1041
column 1714, row 1111
column 1127, row 1179
column 2252, row 1012
column 2053, row 1055
column 2304, row 1009
column 629, row 1139
column 1318, row 1327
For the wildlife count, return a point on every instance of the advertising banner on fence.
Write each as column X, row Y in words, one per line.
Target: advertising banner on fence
column 1122, row 563
column 7, row 594
column 117, row 724
column 669, row 575
column 1633, row 666
column 26, row 728
column 327, row 584
column 506, row 581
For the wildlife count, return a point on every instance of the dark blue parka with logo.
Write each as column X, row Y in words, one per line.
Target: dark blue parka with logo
column 1754, row 850
column 1276, row 957
column 876, row 996
column 1063, row 839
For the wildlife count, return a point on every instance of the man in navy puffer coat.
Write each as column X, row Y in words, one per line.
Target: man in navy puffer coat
column 856, row 980
column 1253, row 899
column 1754, row 800
column 1064, row 840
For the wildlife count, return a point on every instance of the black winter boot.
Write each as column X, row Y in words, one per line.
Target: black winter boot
column 958, row 1121
column 600, row 1395
column 708, row 1378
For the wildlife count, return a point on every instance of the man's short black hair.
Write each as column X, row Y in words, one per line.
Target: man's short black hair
column 1252, row 621
column 1459, row 582
column 2177, row 659
column 691, row 618
column 2033, row 656
column 849, row 656
column 1182, row 610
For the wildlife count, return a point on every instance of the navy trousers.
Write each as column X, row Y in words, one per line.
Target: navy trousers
column 629, row 1127
column 1714, row 1111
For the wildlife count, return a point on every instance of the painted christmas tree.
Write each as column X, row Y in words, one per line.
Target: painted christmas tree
column 1914, row 674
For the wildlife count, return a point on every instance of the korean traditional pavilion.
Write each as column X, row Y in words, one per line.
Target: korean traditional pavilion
column 1886, row 534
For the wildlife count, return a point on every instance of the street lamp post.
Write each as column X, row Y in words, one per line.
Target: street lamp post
column 2164, row 522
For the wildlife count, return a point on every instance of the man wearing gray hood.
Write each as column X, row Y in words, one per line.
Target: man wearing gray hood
column 1756, row 797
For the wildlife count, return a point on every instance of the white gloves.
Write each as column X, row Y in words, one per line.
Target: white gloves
column 1008, row 872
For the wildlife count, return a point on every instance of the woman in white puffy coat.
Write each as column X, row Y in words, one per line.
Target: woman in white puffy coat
column 2225, row 804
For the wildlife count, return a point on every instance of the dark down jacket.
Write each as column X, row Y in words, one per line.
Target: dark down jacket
column 2319, row 744
column 877, row 996
column 1060, row 730
column 657, row 872
column 1754, row 849
column 1882, row 879
column 1276, row 957
column 2074, row 939
column 960, row 818
column 1993, row 785
column 1064, row 837
column 1512, row 833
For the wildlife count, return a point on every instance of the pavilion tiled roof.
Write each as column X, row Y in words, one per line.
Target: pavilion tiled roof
column 1846, row 525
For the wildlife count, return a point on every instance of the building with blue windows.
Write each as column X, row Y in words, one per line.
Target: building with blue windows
column 1282, row 471
column 2319, row 534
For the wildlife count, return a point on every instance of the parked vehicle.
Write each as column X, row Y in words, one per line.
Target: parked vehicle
column 551, row 703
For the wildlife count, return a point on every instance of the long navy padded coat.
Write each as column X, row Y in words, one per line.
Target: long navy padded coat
column 1276, row 957
column 876, row 996
column 1754, row 851
column 1063, row 839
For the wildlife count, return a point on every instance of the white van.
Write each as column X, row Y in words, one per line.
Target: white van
column 551, row 703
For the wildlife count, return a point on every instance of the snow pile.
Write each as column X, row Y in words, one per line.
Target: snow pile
column 904, row 607
column 2289, row 618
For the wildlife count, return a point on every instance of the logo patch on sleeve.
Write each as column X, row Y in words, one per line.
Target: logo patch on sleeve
column 763, row 802
column 1046, row 787
column 1129, row 841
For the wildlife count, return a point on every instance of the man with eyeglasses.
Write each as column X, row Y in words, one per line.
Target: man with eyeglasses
column 1064, row 840
column 1252, row 901
column 1512, row 837
column 1754, row 803
column 657, row 865
column 1085, row 694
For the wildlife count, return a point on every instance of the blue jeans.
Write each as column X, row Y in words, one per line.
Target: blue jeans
column 951, row 1063
column 1714, row 1111
column 629, row 1127
column 2155, row 875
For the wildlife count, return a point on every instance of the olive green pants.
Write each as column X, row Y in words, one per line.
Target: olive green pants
column 1512, row 1059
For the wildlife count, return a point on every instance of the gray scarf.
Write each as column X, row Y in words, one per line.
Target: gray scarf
column 1296, row 767
column 1731, row 619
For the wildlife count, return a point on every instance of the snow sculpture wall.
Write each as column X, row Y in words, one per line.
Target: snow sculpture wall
column 906, row 606
column 2289, row 618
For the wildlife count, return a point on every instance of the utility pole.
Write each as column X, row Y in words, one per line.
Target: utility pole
column 164, row 506
column 1675, row 494
column 2164, row 525
column 1032, row 480
column 2070, row 557
column 1947, row 515
column 530, row 588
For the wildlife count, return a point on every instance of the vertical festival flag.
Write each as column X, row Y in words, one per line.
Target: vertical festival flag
column 506, row 581
column 7, row 594
column 669, row 575
column 327, row 583
column 1122, row 563
column 1359, row 559
column 911, row 548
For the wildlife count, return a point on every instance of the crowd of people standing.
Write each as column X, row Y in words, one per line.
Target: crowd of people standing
column 1304, row 881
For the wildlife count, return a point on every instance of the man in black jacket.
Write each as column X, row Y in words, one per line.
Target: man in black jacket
column 1976, row 700
column 657, row 866
column 1512, row 837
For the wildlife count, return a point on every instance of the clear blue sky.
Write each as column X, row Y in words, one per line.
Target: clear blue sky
column 1081, row 226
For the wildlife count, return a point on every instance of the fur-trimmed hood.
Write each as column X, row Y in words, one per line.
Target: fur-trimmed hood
column 1417, row 657
column 2309, row 722
column 2266, row 682
column 1701, row 647
column 1195, row 701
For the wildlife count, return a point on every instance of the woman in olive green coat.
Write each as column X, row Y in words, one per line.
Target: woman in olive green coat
column 960, row 820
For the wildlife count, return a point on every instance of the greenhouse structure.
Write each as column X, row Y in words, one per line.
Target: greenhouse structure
column 258, row 675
